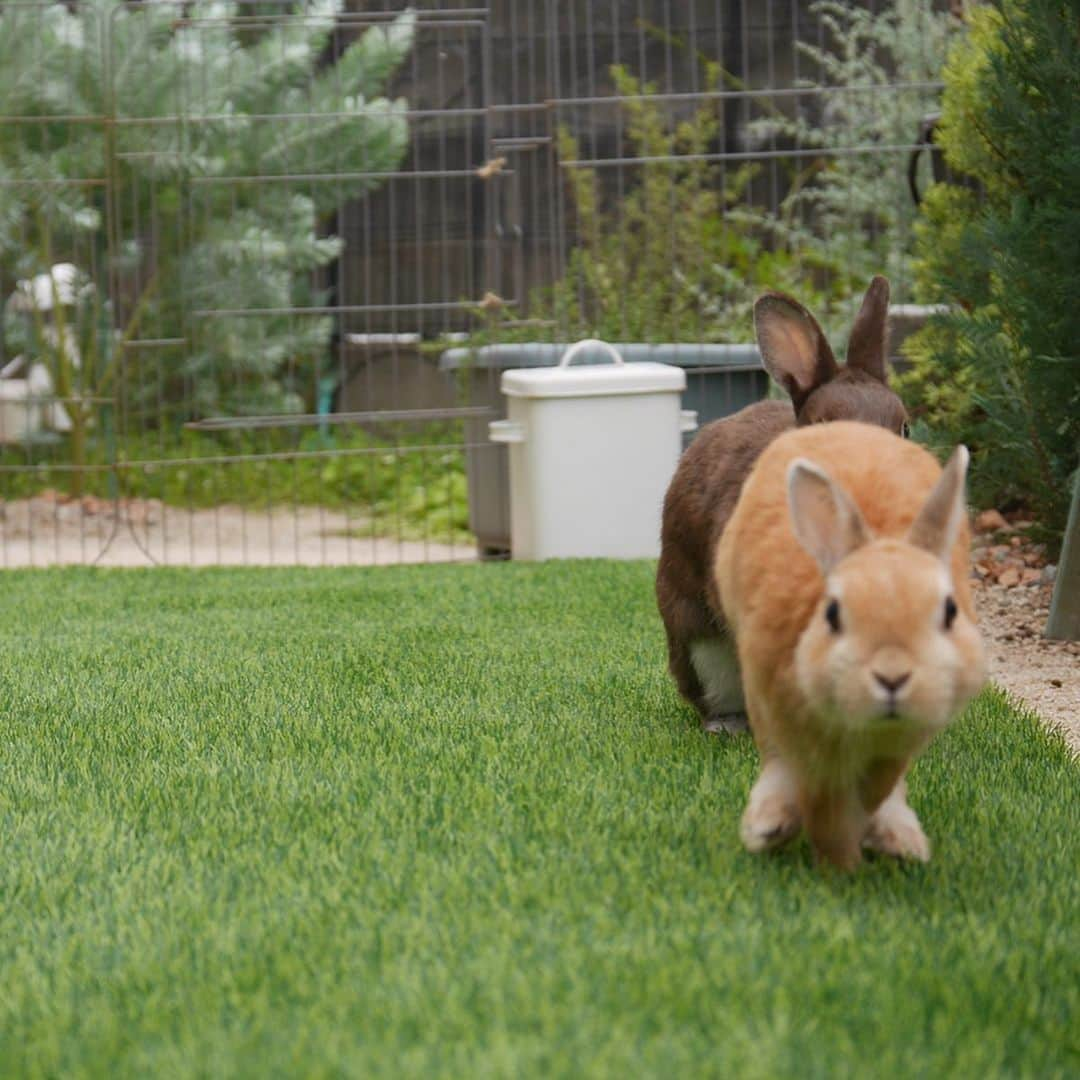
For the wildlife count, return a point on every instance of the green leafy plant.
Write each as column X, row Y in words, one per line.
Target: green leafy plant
column 681, row 255
column 1001, row 371
column 878, row 76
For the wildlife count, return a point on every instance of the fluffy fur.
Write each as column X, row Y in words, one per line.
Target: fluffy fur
column 706, row 485
column 843, row 574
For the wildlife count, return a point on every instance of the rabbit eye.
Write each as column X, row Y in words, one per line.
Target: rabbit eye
column 832, row 616
column 905, row 431
column 950, row 612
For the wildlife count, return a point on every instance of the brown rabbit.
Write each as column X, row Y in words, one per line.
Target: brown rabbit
column 844, row 577
column 702, row 494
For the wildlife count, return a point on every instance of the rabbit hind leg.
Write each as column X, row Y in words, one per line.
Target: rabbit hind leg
column 716, row 666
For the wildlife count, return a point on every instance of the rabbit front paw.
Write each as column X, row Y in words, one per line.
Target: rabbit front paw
column 772, row 815
column 895, row 830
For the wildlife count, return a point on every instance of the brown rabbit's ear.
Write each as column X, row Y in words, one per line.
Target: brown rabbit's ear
column 793, row 348
column 936, row 526
column 866, row 346
column 826, row 522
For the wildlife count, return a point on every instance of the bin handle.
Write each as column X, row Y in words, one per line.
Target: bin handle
column 579, row 346
column 506, row 431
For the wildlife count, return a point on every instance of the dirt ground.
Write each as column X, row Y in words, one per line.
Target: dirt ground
column 50, row 530
column 1013, row 584
column 1012, row 580
column 1044, row 674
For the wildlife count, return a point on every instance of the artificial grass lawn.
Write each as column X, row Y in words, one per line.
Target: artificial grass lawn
column 455, row 821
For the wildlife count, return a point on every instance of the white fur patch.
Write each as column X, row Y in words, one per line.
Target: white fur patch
column 944, row 580
column 717, row 668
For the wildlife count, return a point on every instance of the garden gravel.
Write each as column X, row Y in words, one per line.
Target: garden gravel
column 1043, row 674
column 48, row 530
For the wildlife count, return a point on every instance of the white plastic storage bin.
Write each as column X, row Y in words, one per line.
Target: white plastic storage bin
column 592, row 450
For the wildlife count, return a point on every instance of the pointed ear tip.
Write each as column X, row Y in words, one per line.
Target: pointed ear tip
column 761, row 305
column 773, row 299
column 801, row 466
column 800, row 472
column 878, row 290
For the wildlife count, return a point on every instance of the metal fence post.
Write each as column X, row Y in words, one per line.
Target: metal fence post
column 1064, row 621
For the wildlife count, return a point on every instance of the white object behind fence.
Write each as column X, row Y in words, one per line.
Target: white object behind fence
column 592, row 450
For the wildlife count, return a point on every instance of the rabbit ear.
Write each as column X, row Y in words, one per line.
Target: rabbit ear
column 936, row 526
column 793, row 348
column 826, row 522
column 866, row 346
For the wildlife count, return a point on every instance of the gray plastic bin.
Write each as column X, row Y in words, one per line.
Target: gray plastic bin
column 720, row 380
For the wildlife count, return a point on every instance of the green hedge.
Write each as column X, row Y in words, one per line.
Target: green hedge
column 1002, row 371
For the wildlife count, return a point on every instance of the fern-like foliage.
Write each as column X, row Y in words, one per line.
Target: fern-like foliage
column 187, row 158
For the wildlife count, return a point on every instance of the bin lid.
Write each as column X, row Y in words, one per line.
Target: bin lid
column 742, row 357
column 593, row 380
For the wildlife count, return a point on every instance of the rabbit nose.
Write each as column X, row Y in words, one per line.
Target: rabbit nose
column 892, row 683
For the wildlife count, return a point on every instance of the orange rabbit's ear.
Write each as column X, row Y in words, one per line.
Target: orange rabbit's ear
column 866, row 345
column 825, row 520
column 939, row 519
column 793, row 347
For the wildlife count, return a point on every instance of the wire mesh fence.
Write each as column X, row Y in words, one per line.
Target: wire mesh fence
column 258, row 259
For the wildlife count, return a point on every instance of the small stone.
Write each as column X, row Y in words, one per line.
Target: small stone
column 1049, row 573
column 1009, row 577
column 990, row 521
column 137, row 515
column 1055, row 682
column 1015, row 541
column 1031, row 577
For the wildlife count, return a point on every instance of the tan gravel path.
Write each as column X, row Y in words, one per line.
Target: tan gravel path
column 1043, row 674
column 47, row 531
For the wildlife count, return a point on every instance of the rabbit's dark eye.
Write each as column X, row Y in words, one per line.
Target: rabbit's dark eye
column 905, row 431
column 832, row 616
column 950, row 612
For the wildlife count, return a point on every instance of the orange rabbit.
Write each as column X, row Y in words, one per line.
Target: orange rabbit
column 844, row 574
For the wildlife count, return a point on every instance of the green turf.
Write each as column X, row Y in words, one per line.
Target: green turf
column 456, row 822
